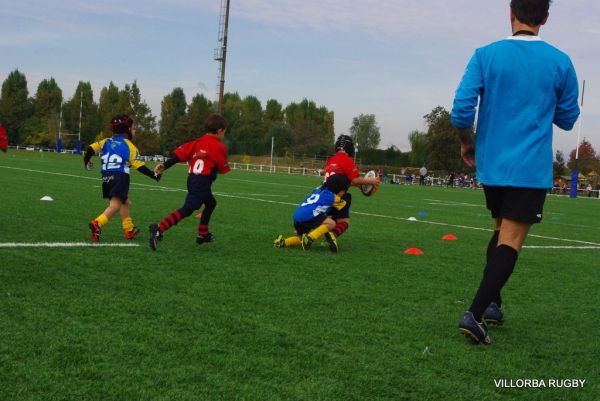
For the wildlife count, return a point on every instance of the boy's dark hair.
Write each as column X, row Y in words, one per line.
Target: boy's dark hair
column 214, row 122
column 121, row 125
column 336, row 183
column 530, row 12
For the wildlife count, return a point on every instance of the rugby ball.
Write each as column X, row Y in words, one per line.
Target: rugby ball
column 367, row 189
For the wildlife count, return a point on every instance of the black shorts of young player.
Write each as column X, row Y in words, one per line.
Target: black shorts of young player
column 199, row 193
column 343, row 213
column 519, row 204
column 303, row 227
column 115, row 184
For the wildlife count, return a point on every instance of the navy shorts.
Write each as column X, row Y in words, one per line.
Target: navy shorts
column 303, row 227
column 343, row 213
column 520, row 204
column 115, row 184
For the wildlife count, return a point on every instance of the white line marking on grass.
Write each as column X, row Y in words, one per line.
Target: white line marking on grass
column 559, row 247
column 453, row 204
column 64, row 245
column 595, row 244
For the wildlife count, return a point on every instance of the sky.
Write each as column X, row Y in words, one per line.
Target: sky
column 396, row 59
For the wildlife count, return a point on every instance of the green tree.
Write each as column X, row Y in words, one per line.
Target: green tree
column 232, row 111
column 108, row 106
column 312, row 127
column 42, row 127
column 191, row 126
column 418, row 148
column 365, row 132
column 15, row 106
column 173, row 108
column 283, row 137
column 250, row 129
column 559, row 164
column 443, row 146
column 82, row 105
column 586, row 161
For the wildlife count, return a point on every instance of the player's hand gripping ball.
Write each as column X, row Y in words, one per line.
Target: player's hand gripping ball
column 369, row 189
column 159, row 169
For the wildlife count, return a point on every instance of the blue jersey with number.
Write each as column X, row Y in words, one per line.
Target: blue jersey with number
column 117, row 154
column 320, row 201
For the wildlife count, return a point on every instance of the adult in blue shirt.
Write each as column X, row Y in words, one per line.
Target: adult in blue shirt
column 523, row 85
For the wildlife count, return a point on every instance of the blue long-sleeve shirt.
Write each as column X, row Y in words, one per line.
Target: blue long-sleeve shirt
column 525, row 86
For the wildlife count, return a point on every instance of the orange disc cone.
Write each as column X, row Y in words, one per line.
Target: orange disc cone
column 199, row 215
column 450, row 237
column 414, row 251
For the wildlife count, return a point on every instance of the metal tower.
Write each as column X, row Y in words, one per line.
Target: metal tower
column 221, row 51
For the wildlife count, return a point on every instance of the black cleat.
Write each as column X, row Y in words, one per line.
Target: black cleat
column 201, row 239
column 155, row 236
column 494, row 314
column 331, row 241
column 306, row 242
column 475, row 330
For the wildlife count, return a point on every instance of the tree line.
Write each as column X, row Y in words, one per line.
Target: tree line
column 300, row 127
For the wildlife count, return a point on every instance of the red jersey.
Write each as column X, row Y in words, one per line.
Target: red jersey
column 341, row 163
column 206, row 155
column 3, row 138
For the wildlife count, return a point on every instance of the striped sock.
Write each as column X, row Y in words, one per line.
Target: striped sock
column 203, row 229
column 170, row 221
column 127, row 224
column 102, row 220
column 340, row 228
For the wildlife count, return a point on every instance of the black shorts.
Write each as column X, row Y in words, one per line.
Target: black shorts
column 303, row 227
column 115, row 184
column 520, row 204
column 343, row 213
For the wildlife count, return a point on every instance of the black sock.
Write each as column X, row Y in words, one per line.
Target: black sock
column 495, row 275
column 497, row 298
column 492, row 245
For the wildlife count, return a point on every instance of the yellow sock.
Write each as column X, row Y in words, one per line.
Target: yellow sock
column 127, row 224
column 317, row 232
column 291, row 241
column 102, row 220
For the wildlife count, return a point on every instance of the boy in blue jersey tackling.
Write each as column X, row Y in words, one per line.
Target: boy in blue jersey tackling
column 312, row 217
column 117, row 154
column 524, row 85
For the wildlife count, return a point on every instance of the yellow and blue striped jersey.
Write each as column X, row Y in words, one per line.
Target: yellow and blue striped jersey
column 117, row 154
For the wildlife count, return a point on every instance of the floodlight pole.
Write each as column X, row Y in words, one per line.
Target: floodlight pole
column 223, row 59
column 59, row 141
column 78, row 149
column 575, row 172
column 272, row 147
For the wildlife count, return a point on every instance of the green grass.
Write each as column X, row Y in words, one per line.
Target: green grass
column 240, row 320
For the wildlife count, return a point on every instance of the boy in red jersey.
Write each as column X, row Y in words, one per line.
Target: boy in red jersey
column 342, row 163
column 206, row 156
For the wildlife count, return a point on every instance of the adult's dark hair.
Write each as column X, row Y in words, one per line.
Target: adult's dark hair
column 530, row 12
column 214, row 122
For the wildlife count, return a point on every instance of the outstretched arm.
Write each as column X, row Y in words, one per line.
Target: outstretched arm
column 87, row 158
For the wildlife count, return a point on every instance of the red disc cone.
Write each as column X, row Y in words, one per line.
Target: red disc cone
column 199, row 215
column 414, row 251
column 450, row 237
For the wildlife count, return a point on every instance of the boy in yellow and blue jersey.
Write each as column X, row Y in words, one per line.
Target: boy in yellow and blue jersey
column 118, row 154
column 312, row 218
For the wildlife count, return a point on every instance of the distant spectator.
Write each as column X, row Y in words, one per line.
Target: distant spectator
column 422, row 174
